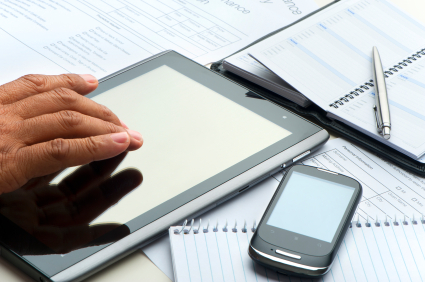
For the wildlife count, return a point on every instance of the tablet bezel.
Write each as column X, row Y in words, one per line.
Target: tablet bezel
column 301, row 130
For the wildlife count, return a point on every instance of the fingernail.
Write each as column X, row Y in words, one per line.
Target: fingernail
column 136, row 135
column 121, row 137
column 89, row 78
column 123, row 124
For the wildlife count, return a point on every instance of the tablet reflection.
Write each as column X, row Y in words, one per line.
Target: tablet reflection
column 59, row 215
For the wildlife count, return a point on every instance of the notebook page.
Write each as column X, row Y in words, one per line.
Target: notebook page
column 406, row 93
column 374, row 251
column 329, row 54
column 217, row 256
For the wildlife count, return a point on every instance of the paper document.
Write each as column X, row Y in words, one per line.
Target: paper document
column 328, row 58
column 388, row 191
column 103, row 36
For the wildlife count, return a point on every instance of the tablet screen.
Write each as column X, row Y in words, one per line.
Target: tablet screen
column 191, row 133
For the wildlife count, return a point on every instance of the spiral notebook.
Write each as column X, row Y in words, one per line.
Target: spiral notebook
column 380, row 250
column 328, row 58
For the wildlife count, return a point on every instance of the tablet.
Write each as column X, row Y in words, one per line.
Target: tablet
column 206, row 139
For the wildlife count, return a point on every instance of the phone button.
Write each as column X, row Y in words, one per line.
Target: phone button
column 287, row 254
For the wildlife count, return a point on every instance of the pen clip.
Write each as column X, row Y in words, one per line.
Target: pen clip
column 378, row 126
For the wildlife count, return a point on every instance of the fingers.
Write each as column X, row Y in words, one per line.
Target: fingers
column 30, row 85
column 48, row 157
column 84, row 207
column 40, row 182
column 85, row 177
column 61, row 99
column 89, row 176
column 65, row 240
column 68, row 124
column 107, row 234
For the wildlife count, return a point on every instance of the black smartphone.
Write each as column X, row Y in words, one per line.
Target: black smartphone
column 306, row 221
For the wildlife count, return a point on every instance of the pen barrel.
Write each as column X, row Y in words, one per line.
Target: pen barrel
column 381, row 96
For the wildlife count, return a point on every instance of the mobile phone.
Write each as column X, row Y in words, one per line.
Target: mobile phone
column 303, row 226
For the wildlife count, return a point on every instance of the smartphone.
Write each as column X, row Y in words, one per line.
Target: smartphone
column 303, row 226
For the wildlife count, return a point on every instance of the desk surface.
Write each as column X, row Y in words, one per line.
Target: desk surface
column 137, row 267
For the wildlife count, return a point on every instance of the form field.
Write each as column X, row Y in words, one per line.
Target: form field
column 114, row 4
column 215, row 38
column 169, row 21
column 101, row 5
column 139, row 21
column 194, row 26
column 179, row 17
column 184, row 45
column 194, row 16
column 185, row 30
column 146, row 8
column 225, row 34
column 160, row 6
column 211, row 45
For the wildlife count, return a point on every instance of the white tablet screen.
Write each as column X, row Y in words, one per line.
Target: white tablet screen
column 190, row 132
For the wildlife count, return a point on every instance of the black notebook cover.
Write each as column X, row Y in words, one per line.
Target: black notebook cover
column 317, row 115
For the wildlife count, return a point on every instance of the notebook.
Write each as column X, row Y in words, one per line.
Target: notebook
column 247, row 67
column 328, row 58
column 382, row 250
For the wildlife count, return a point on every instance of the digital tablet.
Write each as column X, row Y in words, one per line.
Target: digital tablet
column 206, row 139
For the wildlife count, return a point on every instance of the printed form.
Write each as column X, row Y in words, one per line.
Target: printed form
column 388, row 191
column 103, row 36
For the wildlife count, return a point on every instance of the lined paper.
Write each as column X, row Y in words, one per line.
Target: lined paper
column 388, row 251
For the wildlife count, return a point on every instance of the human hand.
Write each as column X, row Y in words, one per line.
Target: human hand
column 59, row 215
column 46, row 124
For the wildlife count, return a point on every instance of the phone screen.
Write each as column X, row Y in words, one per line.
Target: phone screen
column 311, row 206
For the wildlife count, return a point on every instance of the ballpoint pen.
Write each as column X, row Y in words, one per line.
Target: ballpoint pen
column 382, row 107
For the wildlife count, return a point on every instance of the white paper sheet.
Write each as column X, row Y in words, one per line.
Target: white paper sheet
column 388, row 191
column 103, row 36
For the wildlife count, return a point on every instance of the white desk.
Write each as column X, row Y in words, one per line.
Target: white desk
column 137, row 267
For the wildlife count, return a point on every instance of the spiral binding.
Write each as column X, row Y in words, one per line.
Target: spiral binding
column 366, row 85
column 388, row 222
column 245, row 228
column 215, row 228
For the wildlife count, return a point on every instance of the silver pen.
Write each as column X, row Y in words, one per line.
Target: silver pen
column 382, row 107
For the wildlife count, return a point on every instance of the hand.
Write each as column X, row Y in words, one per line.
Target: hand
column 46, row 124
column 59, row 216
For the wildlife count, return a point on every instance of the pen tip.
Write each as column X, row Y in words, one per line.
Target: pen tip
column 386, row 132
